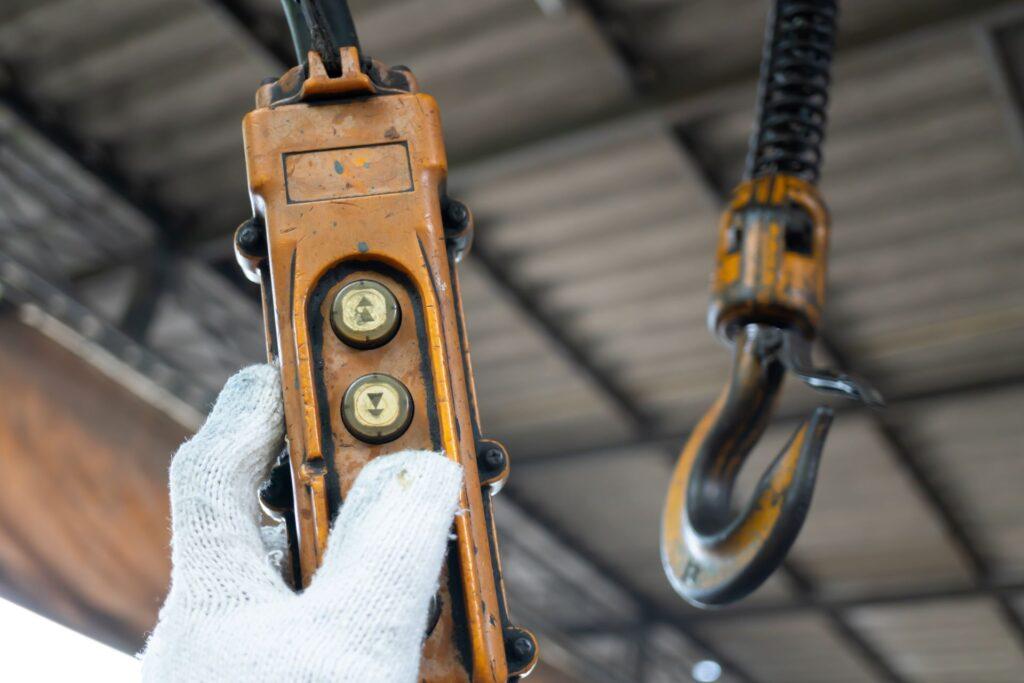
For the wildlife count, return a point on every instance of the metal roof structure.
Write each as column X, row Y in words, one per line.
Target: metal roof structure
column 595, row 141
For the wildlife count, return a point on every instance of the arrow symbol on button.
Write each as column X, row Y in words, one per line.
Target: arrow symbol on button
column 375, row 398
column 365, row 309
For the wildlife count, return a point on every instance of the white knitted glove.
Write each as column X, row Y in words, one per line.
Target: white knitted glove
column 230, row 616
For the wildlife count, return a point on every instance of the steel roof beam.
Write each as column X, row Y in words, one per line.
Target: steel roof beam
column 652, row 612
column 911, row 463
column 168, row 225
column 96, row 159
column 802, row 605
column 533, row 308
column 675, row 440
column 1009, row 79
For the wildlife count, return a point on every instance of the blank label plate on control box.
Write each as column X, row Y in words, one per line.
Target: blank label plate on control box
column 347, row 172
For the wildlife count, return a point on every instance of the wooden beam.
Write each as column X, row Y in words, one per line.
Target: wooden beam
column 83, row 492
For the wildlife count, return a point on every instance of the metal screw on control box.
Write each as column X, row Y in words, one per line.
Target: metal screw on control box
column 492, row 464
column 251, row 237
column 520, row 649
column 365, row 314
column 377, row 408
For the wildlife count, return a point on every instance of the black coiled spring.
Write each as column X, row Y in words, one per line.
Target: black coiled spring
column 793, row 90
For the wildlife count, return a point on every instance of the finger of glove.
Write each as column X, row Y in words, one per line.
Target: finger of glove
column 384, row 555
column 217, row 549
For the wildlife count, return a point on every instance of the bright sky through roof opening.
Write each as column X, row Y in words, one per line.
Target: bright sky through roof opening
column 37, row 649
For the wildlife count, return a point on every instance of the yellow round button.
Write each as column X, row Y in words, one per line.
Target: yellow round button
column 365, row 314
column 377, row 408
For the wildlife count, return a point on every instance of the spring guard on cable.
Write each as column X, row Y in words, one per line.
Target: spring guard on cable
column 767, row 297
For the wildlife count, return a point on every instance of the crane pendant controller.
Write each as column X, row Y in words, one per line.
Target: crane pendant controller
column 355, row 243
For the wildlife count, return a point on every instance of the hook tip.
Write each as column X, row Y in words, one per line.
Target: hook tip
column 818, row 425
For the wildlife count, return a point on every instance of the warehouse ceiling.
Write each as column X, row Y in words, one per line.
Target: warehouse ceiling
column 595, row 141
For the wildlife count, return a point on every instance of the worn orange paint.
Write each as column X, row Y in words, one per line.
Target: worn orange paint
column 328, row 224
column 737, row 549
column 756, row 278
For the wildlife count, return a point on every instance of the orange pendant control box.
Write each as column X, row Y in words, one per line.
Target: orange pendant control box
column 353, row 242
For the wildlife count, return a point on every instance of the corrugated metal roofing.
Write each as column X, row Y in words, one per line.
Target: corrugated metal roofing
column 604, row 224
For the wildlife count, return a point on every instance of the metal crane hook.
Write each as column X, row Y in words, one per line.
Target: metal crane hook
column 767, row 299
column 711, row 554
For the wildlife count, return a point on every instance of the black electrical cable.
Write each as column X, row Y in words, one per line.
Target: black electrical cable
column 793, row 89
column 323, row 26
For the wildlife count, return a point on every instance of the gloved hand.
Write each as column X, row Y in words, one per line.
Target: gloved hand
column 230, row 616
